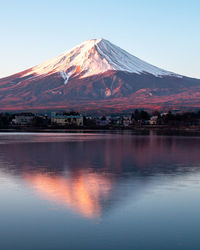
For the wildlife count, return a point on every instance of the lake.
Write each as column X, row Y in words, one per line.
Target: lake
column 99, row 191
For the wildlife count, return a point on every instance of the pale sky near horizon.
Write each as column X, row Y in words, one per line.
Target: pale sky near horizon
column 163, row 33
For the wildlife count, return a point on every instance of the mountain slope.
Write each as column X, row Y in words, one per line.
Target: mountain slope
column 97, row 75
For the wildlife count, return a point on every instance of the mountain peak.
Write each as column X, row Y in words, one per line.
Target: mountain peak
column 96, row 56
column 94, row 41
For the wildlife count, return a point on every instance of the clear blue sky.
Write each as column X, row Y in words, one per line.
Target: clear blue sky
column 164, row 33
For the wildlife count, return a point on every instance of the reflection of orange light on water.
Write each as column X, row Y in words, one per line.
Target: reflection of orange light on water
column 82, row 192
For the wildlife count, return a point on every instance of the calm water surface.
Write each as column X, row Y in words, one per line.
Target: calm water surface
column 99, row 191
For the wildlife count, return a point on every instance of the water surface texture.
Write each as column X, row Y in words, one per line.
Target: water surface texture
column 99, row 191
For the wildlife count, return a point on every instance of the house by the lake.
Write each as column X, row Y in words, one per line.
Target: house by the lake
column 65, row 119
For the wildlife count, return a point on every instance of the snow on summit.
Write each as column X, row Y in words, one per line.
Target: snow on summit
column 94, row 57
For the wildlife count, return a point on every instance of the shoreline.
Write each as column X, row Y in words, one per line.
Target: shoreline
column 194, row 131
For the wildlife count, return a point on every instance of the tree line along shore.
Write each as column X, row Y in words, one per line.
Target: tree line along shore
column 137, row 120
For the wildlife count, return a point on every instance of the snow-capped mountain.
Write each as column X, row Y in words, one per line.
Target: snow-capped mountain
column 94, row 74
column 94, row 57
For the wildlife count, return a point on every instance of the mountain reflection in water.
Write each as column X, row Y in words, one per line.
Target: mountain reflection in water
column 90, row 173
column 82, row 191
